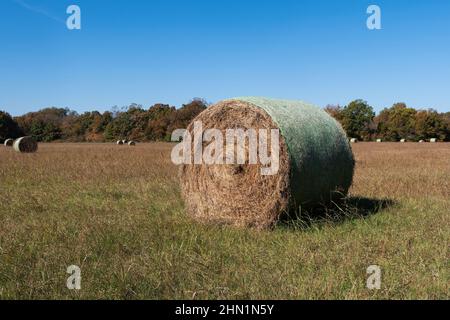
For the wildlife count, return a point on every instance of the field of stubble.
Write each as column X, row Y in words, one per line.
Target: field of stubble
column 116, row 212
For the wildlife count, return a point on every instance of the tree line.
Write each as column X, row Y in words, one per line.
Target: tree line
column 133, row 123
column 392, row 124
column 158, row 122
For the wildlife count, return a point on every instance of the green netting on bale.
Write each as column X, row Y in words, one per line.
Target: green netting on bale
column 321, row 157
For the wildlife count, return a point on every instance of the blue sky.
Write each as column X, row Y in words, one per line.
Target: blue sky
column 171, row 51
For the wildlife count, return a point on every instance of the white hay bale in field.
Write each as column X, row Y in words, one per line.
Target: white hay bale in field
column 124, row 141
column 9, row 142
column 131, row 143
column 421, row 141
column 379, row 140
column 433, row 140
column 119, row 142
column 402, row 140
column 25, row 145
column 353, row 140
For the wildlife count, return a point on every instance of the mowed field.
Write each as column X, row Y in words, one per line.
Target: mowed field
column 116, row 212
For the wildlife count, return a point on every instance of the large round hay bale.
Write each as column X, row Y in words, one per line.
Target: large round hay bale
column 9, row 142
column 315, row 164
column 353, row 140
column 119, row 142
column 25, row 145
column 131, row 143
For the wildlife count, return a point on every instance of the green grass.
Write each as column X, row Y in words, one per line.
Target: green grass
column 123, row 223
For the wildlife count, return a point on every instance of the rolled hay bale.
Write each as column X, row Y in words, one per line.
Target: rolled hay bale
column 315, row 164
column 131, row 143
column 402, row 140
column 9, row 142
column 421, row 141
column 433, row 140
column 353, row 140
column 25, row 145
column 124, row 141
column 119, row 142
column 379, row 140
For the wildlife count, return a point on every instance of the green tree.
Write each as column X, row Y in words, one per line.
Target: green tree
column 124, row 123
column 430, row 124
column 8, row 127
column 45, row 124
column 397, row 122
column 357, row 118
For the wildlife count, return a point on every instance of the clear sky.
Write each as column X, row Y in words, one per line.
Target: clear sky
column 171, row 51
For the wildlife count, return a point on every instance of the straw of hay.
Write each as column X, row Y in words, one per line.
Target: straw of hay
column 131, row 143
column 315, row 164
column 353, row 140
column 119, row 142
column 9, row 142
column 25, row 145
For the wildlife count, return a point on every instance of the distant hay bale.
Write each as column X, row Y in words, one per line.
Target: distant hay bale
column 379, row 140
column 131, row 143
column 421, row 141
column 353, row 140
column 25, row 145
column 402, row 140
column 125, row 141
column 119, row 142
column 433, row 140
column 9, row 142
column 315, row 164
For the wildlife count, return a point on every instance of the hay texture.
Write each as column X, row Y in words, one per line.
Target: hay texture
column 315, row 164
column 9, row 142
column 25, row 145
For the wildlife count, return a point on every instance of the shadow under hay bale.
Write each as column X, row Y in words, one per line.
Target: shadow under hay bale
column 25, row 145
column 335, row 213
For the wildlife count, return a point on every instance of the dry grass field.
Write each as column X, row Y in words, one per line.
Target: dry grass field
column 116, row 212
